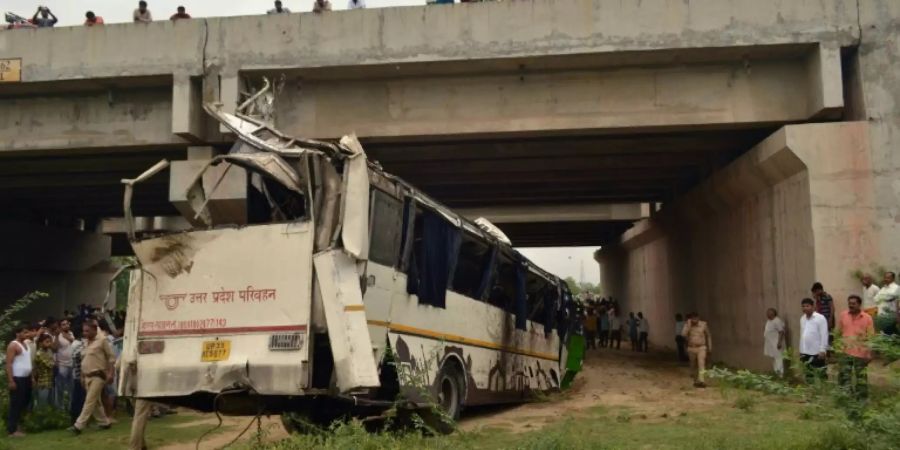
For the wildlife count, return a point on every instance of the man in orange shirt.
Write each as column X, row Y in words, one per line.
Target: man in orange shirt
column 91, row 19
column 855, row 327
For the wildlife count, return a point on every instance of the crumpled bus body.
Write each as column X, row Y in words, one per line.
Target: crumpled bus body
column 328, row 289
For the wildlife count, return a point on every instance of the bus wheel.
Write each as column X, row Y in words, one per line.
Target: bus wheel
column 442, row 417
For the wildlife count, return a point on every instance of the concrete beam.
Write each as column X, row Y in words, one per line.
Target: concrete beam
column 390, row 36
column 557, row 213
column 824, row 77
column 110, row 118
column 667, row 97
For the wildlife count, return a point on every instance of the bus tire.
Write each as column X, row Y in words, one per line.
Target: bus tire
column 443, row 415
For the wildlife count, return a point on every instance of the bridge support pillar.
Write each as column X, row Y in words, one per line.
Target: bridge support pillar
column 797, row 208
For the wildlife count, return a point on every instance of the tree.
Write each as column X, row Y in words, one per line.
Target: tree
column 589, row 287
column 574, row 288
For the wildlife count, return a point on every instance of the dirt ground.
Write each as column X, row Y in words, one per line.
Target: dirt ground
column 652, row 385
column 649, row 384
column 272, row 431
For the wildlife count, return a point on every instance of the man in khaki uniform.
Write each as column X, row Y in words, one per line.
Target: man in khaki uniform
column 98, row 360
column 699, row 346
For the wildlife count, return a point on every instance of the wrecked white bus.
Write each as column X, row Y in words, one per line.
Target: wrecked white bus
column 341, row 290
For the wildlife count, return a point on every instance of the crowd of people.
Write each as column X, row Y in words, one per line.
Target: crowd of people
column 66, row 364
column 45, row 18
column 874, row 310
column 603, row 325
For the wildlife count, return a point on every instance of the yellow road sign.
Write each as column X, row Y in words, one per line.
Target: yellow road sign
column 11, row 70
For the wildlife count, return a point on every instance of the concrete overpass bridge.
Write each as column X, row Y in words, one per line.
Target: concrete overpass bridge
column 763, row 133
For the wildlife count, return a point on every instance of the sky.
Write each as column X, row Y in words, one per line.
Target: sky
column 563, row 262
column 566, row 261
column 71, row 12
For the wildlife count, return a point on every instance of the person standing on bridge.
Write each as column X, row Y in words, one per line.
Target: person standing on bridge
column 813, row 341
column 142, row 14
column 773, row 335
column 43, row 18
column 180, row 14
column 278, row 9
column 699, row 347
column 91, row 19
column 320, row 6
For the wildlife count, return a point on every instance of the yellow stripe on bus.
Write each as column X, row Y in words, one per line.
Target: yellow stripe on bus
column 355, row 308
column 405, row 329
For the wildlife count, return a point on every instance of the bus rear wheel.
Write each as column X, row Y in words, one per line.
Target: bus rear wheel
column 443, row 415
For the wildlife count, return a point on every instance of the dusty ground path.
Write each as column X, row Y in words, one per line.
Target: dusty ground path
column 647, row 384
column 271, row 426
column 650, row 385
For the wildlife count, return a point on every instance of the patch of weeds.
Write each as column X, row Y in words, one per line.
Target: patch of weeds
column 806, row 413
column 623, row 417
column 745, row 402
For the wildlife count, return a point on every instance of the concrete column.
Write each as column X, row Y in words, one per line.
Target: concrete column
column 795, row 209
column 224, row 184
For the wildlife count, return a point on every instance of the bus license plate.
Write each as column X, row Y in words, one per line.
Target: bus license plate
column 215, row 351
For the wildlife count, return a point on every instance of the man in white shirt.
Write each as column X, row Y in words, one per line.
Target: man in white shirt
column 142, row 14
column 870, row 290
column 813, row 341
column 774, row 341
column 886, row 299
column 643, row 332
column 62, row 343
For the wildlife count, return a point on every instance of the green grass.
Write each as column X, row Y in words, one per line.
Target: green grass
column 771, row 424
column 160, row 432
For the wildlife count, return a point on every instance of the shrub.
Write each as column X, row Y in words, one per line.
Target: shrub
column 745, row 402
column 864, row 424
column 7, row 323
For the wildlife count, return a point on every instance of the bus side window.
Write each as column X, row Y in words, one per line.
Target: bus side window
column 503, row 291
column 385, row 228
column 535, row 297
column 435, row 244
column 472, row 266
